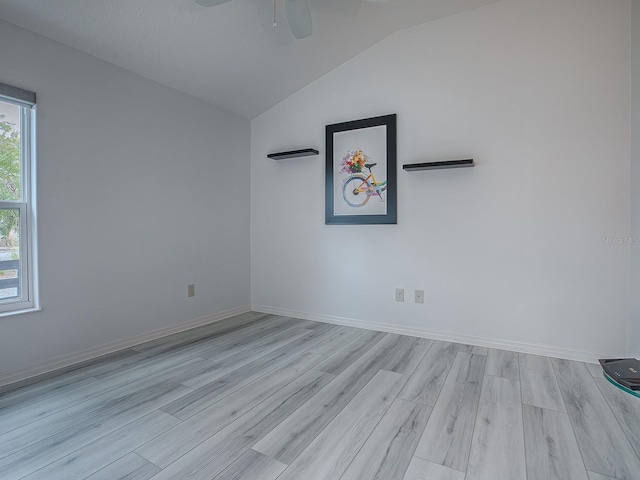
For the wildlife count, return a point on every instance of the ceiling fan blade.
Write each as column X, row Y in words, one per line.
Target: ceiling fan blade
column 299, row 18
column 211, row 3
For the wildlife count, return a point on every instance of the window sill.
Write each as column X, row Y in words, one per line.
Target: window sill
column 20, row 312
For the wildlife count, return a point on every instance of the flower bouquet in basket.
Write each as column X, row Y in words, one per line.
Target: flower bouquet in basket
column 353, row 162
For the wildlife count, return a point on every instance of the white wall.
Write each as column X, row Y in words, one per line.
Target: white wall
column 633, row 341
column 511, row 251
column 141, row 190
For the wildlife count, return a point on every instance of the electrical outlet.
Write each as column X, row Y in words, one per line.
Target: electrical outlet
column 399, row 294
column 419, row 296
column 191, row 290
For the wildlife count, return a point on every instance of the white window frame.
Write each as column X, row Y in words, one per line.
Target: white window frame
column 28, row 299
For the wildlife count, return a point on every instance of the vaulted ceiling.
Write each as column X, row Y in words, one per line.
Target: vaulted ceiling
column 230, row 55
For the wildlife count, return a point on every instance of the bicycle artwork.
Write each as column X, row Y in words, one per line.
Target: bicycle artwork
column 361, row 172
column 359, row 187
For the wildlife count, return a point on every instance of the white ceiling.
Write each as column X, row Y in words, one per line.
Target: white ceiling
column 229, row 56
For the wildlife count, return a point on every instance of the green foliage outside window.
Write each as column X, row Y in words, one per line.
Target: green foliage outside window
column 9, row 175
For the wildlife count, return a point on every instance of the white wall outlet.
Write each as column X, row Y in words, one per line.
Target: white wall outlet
column 191, row 290
column 419, row 296
column 399, row 294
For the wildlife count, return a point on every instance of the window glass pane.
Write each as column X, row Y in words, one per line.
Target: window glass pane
column 9, row 151
column 9, row 254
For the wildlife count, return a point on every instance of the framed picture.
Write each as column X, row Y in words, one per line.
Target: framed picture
column 361, row 173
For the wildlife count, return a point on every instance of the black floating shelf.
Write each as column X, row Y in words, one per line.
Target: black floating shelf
column 412, row 167
column 307, row 152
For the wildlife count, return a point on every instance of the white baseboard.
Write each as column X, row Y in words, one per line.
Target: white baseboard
column 544, row 350
column 64, row 361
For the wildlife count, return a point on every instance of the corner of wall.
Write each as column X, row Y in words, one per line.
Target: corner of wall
column 633, row 327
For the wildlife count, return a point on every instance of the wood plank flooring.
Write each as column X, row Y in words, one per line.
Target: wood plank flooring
column 265, row 397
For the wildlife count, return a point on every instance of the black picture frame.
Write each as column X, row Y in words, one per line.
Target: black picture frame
column 342, row 205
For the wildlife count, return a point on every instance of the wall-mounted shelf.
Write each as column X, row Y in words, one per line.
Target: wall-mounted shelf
column 306, row 152
column 412, row 167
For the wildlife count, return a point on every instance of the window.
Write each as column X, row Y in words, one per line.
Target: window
column 17, row 206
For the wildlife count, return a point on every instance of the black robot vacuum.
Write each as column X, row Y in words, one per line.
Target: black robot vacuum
column 624, row 373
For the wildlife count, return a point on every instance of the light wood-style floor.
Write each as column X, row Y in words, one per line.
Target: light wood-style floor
column 263, row 397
